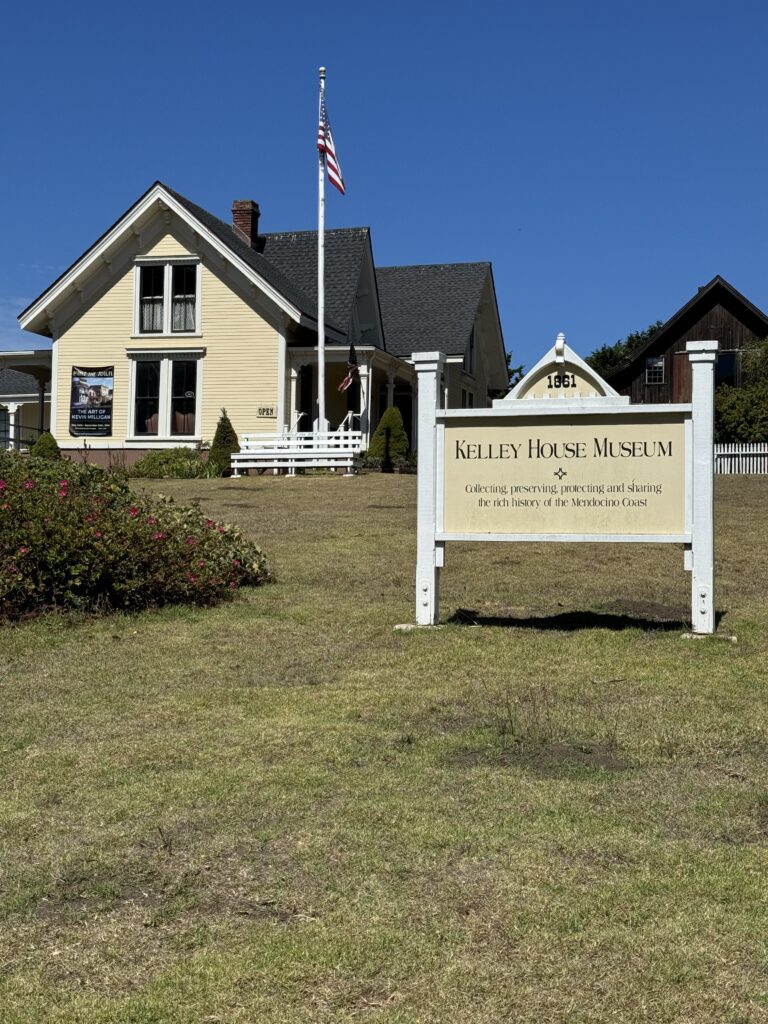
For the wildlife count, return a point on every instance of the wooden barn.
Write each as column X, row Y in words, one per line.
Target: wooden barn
column 659, row 371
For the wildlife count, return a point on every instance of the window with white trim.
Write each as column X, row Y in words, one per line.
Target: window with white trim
column 165, row 394
column 167, row 297
column 654, row 370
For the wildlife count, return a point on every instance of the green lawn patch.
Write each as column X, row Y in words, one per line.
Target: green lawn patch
column 279, row 809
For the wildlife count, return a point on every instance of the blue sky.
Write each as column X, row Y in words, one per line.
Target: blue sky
column 608, row 158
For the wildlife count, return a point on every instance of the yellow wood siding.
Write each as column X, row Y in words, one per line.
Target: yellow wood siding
column 239, row 369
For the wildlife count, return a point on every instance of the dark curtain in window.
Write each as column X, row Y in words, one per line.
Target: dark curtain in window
column 147, row 397
column 183, row 395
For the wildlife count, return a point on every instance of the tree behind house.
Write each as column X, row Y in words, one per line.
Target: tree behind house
column 604, row 360
column 741, row 414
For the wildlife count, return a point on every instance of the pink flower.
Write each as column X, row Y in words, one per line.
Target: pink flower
column 158, row 536
column 235, row 561
column 210, row 522
column 201, row 563
column 23, row 550
column 90, row 517
column 5, row 506
column 192, row 541
column 29, row 485
column 63, row 483
column 191, row 577
column 3, row 485
column 151, row 520
column 99, row 534
column 232, row 585
column 221, row 529
column 133, row 511
column 62, row 494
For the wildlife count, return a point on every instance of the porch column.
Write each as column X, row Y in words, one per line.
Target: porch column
column 365, row 402
column 293, row 410
column 40, row 407
column 390, row 389
column 13, row 408
column 281, row 360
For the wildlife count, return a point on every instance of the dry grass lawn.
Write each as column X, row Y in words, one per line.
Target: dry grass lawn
column 281, row 810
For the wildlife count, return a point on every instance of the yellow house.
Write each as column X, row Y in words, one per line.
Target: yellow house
column 173, row 315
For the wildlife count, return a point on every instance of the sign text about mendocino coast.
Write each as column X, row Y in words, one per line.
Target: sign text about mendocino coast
column 545, row 476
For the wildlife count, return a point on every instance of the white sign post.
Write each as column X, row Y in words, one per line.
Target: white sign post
column 563, row 457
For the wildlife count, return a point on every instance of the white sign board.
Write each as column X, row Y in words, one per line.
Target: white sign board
column 582, row 466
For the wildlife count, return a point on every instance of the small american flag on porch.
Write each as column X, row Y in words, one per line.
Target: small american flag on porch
column 325, row 145
column 352, row 369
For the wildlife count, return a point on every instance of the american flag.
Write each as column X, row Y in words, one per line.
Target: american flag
column 325, row 145
column 352, row 369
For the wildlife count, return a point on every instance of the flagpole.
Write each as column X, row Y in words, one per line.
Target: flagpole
column 321, row 424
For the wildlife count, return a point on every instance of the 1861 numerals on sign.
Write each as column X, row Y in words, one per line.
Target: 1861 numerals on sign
column 561, row 380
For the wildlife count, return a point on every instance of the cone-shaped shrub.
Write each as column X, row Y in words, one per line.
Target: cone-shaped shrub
column 389, row 441
column 45, row 447
column 224, row 443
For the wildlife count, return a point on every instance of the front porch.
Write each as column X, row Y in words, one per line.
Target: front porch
column 24, row 404
column 382, row 381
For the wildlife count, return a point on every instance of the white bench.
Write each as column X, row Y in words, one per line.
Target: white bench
column 303, row 450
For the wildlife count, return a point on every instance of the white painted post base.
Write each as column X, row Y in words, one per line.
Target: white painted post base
column 429, row 555
column 702, row 355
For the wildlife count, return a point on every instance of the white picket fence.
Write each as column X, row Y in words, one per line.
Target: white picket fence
column 741, row 458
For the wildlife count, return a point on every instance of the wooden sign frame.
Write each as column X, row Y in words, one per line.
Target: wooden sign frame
column 597, row 400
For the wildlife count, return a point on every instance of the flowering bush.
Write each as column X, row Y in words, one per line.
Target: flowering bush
column 75, row 536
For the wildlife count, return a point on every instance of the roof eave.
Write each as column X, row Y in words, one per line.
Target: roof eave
column 43, row 305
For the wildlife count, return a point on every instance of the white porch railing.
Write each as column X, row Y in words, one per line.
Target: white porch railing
column 741, row 458
column 301, row 450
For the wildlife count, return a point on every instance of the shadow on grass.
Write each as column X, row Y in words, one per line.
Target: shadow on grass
column 653, row 621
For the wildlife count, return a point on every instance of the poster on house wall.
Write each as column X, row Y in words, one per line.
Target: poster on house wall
column 90, row 411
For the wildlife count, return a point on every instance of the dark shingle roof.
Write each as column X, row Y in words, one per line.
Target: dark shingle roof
column 430, row 307
column 14, row 383
column 294, row 253
column 271, row 273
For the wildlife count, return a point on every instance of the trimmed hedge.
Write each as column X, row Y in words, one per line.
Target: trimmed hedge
column 390, row 441
column 173, row 463
column 45, row 447
column 75, row 536
column 224, row 443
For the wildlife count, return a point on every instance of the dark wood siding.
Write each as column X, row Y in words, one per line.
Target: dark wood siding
column 719, row 316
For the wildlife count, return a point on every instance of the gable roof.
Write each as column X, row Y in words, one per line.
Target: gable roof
column 422, row 307
column 266, row 268
column 718, row 290
column 430, row 306
column 294, row 253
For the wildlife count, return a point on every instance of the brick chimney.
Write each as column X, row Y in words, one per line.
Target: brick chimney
column 245, row 220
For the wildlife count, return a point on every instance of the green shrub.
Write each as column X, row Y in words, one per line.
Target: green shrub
column 45, row 447
column 390, row 441
column 173, row 463
column 224, row 443
column 75, row 536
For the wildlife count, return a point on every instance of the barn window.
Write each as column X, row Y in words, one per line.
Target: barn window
column 726, row 368
column 654, row 370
